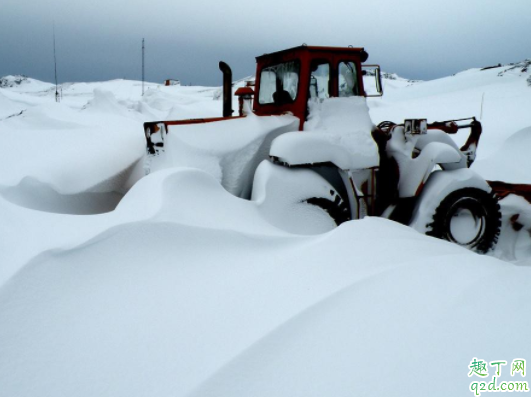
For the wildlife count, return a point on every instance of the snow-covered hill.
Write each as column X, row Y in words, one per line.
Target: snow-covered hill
column 185, row 290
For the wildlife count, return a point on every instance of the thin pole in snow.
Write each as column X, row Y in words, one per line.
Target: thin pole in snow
column 143, row 51
column 481, row 112
column 55, row 65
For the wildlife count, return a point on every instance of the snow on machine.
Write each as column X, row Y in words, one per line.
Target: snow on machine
column 306, row 151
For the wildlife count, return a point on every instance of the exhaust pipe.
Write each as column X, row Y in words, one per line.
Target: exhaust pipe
column 227, row 89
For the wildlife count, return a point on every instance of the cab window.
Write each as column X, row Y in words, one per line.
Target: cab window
column 347, row 79
column 320, row 80
column 279, row 83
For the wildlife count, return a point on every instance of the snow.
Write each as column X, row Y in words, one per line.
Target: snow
column 75, row 150
column 513, row 244
column 229, row 150
column 337, row 130
column 8, row 107
column 181, row 288
column 441, row 184
column 281, row 195
column 305, row 308
column 86, row 145
column 494, row 167
column 501, row 103
column 435, row 147
column 24, row 84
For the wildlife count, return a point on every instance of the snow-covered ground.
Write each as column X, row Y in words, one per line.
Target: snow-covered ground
column 112, row 283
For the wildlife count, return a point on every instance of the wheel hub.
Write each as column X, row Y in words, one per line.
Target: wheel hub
column 467, row 222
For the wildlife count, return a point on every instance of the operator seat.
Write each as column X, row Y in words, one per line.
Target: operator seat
column 282, row 97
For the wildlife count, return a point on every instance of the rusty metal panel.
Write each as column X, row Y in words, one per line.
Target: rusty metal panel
column 503, row 189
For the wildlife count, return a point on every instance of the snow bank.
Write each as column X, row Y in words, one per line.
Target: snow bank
column 192, row 197
column 70, row 151
column 182, row 195
column 229, row 150
column 34, row 194
column 281, row 194
column 104, row 101
column 496, row 167
column 8, row 107
column 24, row 84
column 337, row 130
column 174, row 296
column 81, row 155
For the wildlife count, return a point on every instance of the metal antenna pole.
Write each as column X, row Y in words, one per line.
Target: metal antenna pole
column 481, row 112
column 55, row 65
column 143, row 50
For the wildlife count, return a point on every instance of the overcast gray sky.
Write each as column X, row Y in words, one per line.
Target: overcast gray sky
column 101, row 40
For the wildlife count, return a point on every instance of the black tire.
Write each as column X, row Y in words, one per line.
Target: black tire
column 335, row 206
column 469, row 217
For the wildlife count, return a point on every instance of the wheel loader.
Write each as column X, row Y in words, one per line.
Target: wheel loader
column 325, row 153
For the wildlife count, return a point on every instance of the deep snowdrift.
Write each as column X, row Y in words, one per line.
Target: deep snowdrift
column 516, row 148
column 174, row 296
column 229, row 150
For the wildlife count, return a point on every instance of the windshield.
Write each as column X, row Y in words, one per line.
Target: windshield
column 279, row 83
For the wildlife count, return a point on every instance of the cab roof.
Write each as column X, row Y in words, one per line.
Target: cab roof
column 316, row 49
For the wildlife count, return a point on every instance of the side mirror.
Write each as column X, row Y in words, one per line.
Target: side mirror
column 372, row 80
